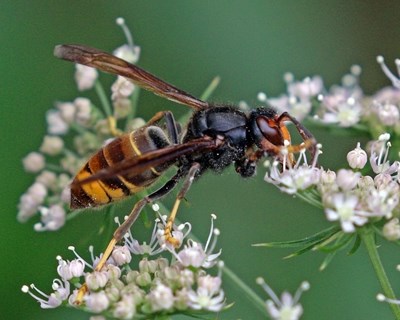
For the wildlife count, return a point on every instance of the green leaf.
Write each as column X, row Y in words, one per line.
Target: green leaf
column 301, row 251
column 311, row 240
column 342, row 240
column 327, row 260
column 356, row 245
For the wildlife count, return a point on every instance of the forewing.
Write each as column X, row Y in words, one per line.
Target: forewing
column 108, row 63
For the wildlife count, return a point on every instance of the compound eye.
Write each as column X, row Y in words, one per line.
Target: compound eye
column 270, row 130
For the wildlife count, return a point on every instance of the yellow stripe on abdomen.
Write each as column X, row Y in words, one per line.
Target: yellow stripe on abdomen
column 93, row 189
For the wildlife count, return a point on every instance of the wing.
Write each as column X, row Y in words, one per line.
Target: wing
column 151, row 159
column 108, row 63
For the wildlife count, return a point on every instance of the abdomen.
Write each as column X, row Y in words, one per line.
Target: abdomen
column 116, row 187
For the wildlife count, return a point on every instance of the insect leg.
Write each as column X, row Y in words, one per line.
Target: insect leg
column 308, row 138
column 125, row 226
column 185, row 188
column 172, row 128
column 112, row 126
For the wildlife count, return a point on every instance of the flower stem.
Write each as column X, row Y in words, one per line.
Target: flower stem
column 103, row 98
column 210, row 89
column 253, row 297
column 134, row 105
column 368, row 237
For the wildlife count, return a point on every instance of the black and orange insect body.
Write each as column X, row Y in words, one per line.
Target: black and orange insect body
column 215, row 137
column 115, row 187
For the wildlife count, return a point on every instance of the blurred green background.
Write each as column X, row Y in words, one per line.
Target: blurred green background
column 250, row 45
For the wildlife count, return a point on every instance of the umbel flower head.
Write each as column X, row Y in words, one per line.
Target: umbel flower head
column 125, row 289
column 344, row 105
column 354, row 199
column 347, row 196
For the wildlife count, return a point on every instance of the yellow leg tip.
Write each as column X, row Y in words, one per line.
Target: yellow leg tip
column 173, row 241
column 112, row 124
column 169, row 238
column 81, row 293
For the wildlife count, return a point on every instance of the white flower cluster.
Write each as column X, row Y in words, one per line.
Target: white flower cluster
column 348, row 196
column 344, row 105
column 75, row 130
column 156, row 286
column 355, row 199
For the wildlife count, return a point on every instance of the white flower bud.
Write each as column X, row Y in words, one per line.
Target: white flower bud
column 30, row 201
column 68, row 270
column 366, row 182
column 113, row 293
column 27, row 207
column 67, row 111
column 347, row 179
column 97, row 301
column 77, row 266
column 63, row 269
column 121, row 255
column 146, row 265
column 192, row 255
column 96, row 279
column 131, row 276
column 181, row 299
column 121, row 88
column 33, row 162
column 209, row 283
column 128, row 53
column 47, row 178
column 382, row 180
column 162, row 263
column 161, row 298
column 357, row 158
column 306, row 88
column 52, row 218
column 125, row 308
column 56, row 124
column 171, row 274
column 348, row 113
column 66, row 195
column 388, row 114
column 143, row 279
column 114, row 272
column 261, row 96
column 186, row 278
column 85, row 77
column 391, row 230
column 328, row 177
column 83, row 110
column 52, row 145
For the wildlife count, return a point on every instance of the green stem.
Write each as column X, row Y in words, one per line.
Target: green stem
column 253, row 297
column 210, row 89
column 134, row 105
column 310, row 200
column 103, row 98
column 368, row 237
